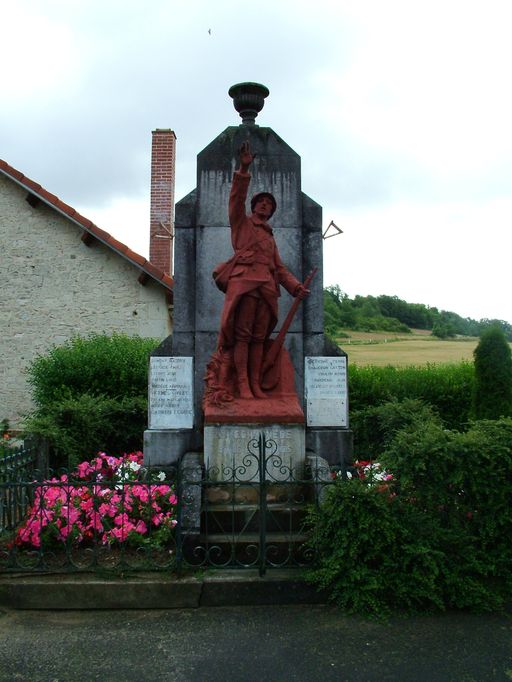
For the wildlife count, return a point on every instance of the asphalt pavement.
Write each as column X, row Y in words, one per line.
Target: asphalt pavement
column 251, row 643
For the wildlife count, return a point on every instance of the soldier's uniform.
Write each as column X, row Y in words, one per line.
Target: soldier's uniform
column 250, row 307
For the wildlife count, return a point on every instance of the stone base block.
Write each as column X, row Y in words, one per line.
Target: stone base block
column 232, row 452
column 166, row 447
column 334, row 445
column 321, row 474
column 192, row 474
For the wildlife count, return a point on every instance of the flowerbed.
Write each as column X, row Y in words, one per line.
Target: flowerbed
column 103, row 502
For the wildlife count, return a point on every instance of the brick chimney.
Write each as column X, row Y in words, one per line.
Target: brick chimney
column 161, row 231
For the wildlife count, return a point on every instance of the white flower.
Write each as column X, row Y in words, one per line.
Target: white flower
column 161, row 476
column 134, row 466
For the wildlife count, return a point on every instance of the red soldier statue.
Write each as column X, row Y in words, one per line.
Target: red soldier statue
column 251, row 281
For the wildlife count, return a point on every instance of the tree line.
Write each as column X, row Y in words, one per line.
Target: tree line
column 392, row 314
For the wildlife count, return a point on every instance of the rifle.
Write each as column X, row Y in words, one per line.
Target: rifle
column 277, row 343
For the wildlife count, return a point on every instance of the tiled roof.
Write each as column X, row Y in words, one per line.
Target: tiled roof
column 145, row 267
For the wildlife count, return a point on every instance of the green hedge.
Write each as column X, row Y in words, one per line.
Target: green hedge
column 436, row 537
column 115, row 366
column 374, row 427
column 77, row 428
column 91, row 396
column 447, row 388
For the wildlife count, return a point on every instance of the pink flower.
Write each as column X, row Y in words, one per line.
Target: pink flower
column 65, row 531
column 105, row 509
column 122, row 532
column 70, row 514
column 141, row 491
column 85, row 469
column 87, row 505
column 53, row 495
column 94, row 523
column 141, row 527
column 119, row 534
column 162, row 489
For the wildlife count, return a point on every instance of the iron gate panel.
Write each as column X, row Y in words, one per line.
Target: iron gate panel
column 250, row 515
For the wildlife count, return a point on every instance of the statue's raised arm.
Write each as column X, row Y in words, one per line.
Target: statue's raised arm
column 246, row 157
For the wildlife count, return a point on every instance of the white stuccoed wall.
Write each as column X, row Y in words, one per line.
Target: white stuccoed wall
column 53, row 287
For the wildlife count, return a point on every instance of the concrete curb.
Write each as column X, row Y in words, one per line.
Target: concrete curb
column 155, row 591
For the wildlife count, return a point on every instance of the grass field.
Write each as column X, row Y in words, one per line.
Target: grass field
column 418, row 348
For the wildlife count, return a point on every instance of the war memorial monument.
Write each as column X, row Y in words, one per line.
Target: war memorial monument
column 248, row 361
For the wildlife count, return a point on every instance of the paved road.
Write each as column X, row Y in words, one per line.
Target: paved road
column 246, row 644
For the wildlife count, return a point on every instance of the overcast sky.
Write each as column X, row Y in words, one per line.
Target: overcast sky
column 400, row 110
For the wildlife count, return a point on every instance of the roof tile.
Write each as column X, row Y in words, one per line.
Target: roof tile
column 153, row 270
column 10, row 170
column 137, row 258
column 66, row 208
column 34, row 186
column 117, row 245
column 101, row 234
column 51, row 198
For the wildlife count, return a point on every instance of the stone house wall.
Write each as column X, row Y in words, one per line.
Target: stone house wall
column 53, row 287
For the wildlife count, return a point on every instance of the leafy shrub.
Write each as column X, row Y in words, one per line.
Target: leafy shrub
column 436, row 537
column 78, row 427
column 114, row 366
column 447, row 388
column 467, row 476
column 91, row 395
column 492, row 394
column 373, row 551
column 443, row 330
column 374, row 427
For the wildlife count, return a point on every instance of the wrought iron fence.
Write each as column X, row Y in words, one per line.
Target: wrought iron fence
column 17, row 466
column 121, row 516
column 17, row 462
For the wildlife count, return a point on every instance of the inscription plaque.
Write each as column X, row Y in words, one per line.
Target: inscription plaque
column 326, row 391
column 231, row 452
column 170, row 393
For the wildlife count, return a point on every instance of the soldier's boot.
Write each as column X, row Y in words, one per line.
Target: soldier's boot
column 240, row 358
column 255, row 360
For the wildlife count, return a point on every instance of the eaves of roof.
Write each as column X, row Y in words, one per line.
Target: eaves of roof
column 91, row 231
